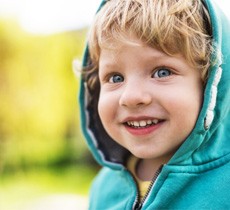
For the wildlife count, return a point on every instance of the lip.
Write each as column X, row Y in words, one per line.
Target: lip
column 145, row 130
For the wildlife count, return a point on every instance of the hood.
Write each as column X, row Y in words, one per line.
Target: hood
column 210, row 138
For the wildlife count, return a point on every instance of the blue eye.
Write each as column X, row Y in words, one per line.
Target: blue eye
column 116, row 78
column 162, row 73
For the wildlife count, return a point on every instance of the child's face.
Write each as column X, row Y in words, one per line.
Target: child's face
column 149, row 102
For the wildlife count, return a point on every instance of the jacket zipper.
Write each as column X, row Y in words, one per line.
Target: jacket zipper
column 138, row 204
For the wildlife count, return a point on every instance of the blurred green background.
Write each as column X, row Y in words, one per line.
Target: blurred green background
column 42, row 150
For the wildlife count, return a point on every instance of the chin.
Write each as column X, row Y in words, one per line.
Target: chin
column 143, row 155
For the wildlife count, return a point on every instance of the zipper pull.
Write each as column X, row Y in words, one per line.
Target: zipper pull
column 138, row 206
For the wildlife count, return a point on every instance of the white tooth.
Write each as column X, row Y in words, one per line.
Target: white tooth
column 128, row 123
column 155, row 121
column 143, row 123
column 149, row 122
column 132, row 123
column 135, row 123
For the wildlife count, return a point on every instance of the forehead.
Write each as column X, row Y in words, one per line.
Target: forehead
column 113, row 49
column 137, row 55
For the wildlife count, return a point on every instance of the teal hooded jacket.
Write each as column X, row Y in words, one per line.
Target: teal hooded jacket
column 198, row 175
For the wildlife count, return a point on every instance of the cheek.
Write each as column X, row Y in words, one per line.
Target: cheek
column 101, row 108
column 107, row 110
column 184, row 105
column 105, row 107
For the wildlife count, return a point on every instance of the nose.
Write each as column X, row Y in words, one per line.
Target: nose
column 135, row 95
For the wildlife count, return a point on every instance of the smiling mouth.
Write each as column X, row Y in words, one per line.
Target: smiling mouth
column 142, row 123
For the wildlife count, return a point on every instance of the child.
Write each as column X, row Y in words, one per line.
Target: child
column 155, row 105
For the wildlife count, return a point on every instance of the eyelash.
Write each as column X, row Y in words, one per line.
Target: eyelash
column 160, row 69
column 111, row 77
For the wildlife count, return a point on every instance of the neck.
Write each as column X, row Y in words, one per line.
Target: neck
column 146, row 168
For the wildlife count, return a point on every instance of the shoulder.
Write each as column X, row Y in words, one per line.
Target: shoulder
column 112, row 187
column 108, row 178
column 105, row 174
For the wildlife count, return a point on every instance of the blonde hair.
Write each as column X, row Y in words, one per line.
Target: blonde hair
column 172, row 26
